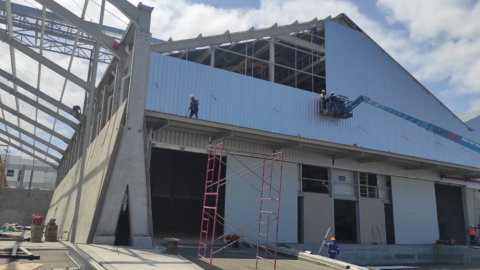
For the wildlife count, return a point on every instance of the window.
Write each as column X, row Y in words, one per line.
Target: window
column 10, row 172
column 315, row 179
column 368, row 185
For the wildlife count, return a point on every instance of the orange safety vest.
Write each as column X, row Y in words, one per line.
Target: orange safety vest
column 471, row 231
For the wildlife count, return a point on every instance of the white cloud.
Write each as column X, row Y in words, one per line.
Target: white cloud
column 439, row 39
column 444, row 41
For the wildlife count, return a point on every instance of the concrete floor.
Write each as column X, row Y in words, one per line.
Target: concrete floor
column 241, row 258
column 446, row 267
column 52, row 255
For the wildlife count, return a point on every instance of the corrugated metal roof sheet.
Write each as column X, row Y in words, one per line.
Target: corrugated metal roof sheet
column 355, row 66
column 465, row 117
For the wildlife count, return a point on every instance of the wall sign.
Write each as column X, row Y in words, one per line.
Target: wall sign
column 341, row 178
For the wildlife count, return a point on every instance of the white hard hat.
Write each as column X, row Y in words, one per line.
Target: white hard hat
column 192, row 96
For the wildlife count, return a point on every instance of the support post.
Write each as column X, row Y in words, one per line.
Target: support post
column 22, row 176
column 88, row 121
column 212, row 57
column 271, row 67
column 130, row 164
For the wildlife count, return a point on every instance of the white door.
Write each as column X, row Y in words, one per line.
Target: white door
column 414, row 211
column 242, row 198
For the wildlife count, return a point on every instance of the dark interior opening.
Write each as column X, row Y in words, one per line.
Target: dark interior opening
column 451, row 220
column 122, row 234
column 389, row 224
column 300, row 208
column 345, row 221
column 178, row 186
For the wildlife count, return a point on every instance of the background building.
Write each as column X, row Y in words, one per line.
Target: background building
column 373, row 177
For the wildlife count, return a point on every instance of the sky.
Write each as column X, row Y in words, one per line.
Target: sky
column 437, row 41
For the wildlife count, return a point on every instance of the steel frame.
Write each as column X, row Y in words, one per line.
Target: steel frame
column 212, row 188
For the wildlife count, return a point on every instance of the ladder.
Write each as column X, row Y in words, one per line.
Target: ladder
column 270, row 199
column 209, row 211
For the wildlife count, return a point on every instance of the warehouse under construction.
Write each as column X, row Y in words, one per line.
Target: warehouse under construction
column 270, row 135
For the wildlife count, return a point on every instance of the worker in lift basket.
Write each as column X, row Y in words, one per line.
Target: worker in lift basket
column 323, row 101
column 333, row 249
column 193, row 106
column 332, row 101
column 472, row 233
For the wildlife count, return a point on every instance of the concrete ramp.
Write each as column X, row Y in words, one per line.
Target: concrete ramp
column 98, row 168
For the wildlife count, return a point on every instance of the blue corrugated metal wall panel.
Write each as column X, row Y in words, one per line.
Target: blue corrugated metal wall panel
column 355, row 66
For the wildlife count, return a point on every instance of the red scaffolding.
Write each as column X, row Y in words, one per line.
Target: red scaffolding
column 269, row 214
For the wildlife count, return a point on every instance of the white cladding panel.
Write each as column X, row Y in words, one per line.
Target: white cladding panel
column 242, row 201
column 343, row 183
column 414, row 211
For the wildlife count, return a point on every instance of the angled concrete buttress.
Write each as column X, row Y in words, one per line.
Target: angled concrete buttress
column 130, row 165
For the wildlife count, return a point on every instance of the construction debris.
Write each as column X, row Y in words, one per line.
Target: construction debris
column 18, row 252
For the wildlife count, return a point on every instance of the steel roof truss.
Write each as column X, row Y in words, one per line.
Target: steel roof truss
column 30, row 154
column 34, row 123
column 39, row 106
column 29, row 145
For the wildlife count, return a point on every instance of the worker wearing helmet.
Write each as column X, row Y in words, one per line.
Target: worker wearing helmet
column 333, row 249
column 193, row 106
column 323, row 101
column 472, row 233
column 332, row 100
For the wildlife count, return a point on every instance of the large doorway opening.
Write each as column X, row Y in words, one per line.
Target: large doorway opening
column 177, row 187
column 345, row 221
column 389, row 227
column 451, row 220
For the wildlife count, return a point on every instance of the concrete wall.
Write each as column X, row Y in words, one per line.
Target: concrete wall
column 17, row 207
column 318, row 217
column 374, row 255
column 97, row 168
column 372, row 220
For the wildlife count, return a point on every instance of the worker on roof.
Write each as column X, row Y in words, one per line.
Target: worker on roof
column 332, row 101
column 193, row 106
column 333, row 249
column 473, row 234
column 314, row 33
column 323, row 101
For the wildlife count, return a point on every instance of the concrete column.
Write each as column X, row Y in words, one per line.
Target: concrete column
column 212, row 57
column 271, row 70
column 107, row 92
column 22, row 176
column 130, row 163
column 97, row 108
column 119, row 73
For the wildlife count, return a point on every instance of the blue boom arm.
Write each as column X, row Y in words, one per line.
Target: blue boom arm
column 430, row 127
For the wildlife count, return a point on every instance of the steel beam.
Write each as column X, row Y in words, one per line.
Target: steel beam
column 422, row 167
column 30, row 154
column 161, row 124
column 302, row 43
column 85, row 26
column 281, row 31
column 29, row 145
column 129, row 10
column 34, row 123
column 39, row 106
column 221, row 135
column 44, row 61
column 204, row 55
column 288, row 145
column 349, row 155
column 374, row 159
column 38, row 139
column 86, row 128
